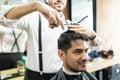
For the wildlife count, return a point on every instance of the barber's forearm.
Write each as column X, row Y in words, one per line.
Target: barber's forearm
column 21, row 10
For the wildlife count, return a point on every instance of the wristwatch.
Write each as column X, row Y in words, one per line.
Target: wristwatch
column 92, row 37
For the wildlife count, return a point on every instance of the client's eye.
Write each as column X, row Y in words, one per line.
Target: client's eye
column 78, row 51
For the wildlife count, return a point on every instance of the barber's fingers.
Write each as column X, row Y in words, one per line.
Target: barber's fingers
column 59, row 21
column 51, row 21
column 49, row 13
column 77, row 29
column 54, row 19
column 51, row 16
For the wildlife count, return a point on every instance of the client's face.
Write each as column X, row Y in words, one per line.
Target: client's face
column 76, row 57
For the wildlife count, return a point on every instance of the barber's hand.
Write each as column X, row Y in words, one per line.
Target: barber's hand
column 55, row 21
column 54, row 18
column 51, row 14
column 83, row 30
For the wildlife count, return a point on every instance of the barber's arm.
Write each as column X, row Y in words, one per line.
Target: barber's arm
column 19, row 11
column 95, row 40
column 23, row 9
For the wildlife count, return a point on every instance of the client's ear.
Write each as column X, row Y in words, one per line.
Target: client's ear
column 61, row 54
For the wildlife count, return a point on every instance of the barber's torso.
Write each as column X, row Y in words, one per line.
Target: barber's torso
column 51, row 60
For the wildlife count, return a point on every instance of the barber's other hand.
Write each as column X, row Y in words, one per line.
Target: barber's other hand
column 83, row 30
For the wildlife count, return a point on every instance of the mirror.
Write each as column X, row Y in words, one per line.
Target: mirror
column 80, row 9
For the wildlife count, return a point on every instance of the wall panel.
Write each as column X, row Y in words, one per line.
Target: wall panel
column 108, row 23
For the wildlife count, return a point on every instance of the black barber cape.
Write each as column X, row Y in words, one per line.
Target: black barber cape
column 60, row 75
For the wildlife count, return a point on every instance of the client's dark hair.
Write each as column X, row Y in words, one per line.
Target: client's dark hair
column 64, row 41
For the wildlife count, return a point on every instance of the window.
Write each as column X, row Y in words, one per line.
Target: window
column 80, row 9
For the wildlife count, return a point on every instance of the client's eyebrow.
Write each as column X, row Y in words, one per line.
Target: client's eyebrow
column 80, row 50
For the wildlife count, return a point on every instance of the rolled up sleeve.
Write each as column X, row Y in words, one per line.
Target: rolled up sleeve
column 3, row 20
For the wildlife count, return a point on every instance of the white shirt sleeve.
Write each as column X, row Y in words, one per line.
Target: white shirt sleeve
column 3, row 20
